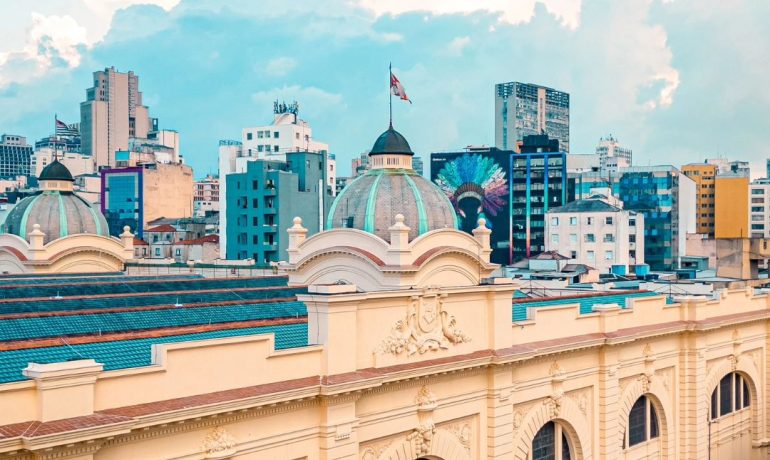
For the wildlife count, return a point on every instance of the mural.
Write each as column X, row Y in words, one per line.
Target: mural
column 477, row 187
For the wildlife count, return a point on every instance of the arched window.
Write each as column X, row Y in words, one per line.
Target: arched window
column 642, row 423
column 732, row 394
column 551, row 443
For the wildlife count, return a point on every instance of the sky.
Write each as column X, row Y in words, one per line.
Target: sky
column 678, row 81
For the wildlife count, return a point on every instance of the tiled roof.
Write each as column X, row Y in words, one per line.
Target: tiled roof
column 162, row 228
column 585, row 302
column 116, row 319
column 205, row 239
column 140, row 242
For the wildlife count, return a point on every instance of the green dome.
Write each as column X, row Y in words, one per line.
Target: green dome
column 56, row 171
column 58, row 213
column 391, row 142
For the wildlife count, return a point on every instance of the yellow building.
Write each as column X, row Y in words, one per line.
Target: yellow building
column 704, row 176
column 731, row 207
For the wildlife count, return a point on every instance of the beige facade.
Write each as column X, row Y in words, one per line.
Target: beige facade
column 168, row 191
column 413, row 354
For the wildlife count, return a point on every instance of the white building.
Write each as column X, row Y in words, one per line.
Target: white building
column 612, row 155
column 726, row 166
column 206, row 196
column 596, row 231
column 76, row 163
column 287, row 133
column 578, row 163
column 759, row 211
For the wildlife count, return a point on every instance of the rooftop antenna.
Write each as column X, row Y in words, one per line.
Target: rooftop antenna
column 57, row 296
column 177, row 304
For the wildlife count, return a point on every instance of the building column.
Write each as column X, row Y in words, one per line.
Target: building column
column 500, row 423
column 338, row 437
column 606, row 416
column 694, row 400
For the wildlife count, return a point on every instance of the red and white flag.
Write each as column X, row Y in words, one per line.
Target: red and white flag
column 397, row 89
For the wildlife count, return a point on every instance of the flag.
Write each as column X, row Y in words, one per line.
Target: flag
column 397, row 89
column 63, row 130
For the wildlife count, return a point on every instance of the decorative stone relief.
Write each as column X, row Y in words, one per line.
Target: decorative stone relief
column 426, row 327
column 461, row 430
column 756, row 358
column 581, row 399
column 218, row 443
column 517, row 419
column 553, row 405
column 422, row 436
column 667, row 377
column 375, row 450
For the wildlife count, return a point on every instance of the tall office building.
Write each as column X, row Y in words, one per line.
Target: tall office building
column 111, row 114
column 612, row 155
column 759, row 207
column 263, row 200
column 666, row 197
column 15, row 156
column 512, row 191
column 731, row 206
column 523, row 109
column 704, row 175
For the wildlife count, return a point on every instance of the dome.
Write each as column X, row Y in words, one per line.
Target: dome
column 56, row 171
column 58, row 210
column 391, row 142
column 372, row 201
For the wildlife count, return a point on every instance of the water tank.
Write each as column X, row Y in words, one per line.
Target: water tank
column 618, row 269
column 641, row 270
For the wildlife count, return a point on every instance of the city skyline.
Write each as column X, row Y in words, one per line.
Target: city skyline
column 653, row 86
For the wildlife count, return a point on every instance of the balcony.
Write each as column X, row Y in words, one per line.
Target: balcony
column 270, row 191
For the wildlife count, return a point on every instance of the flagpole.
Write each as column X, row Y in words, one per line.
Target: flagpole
column 390, row 93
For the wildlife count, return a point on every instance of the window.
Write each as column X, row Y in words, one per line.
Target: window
column 642, row 423
column 609, row 255
column 255, row 221
column 275, row 148
column 255, row 203
column 573, row 220
column 178, row 252
column 632, row 222
column 157, row 252
column 573, row 237
column 608, row 220
column 254, row 185
column 259, row 134
column 249, row 136
column 551, row 443
column 609, row 238
column 554, row 221
column 590, row 255
column 589, row 238
column 589, row 220
column 259, row 148
column 555, row 238
column 275, row 134
column 254, row 239
column 267, row 134
column 730, row 395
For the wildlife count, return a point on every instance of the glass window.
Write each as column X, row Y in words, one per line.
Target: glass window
column 609, row 255
column 589, row 220
column 590, row 238
column 730, row 395
column 554, row 221
column 178, row 252
column 726, row 395
column 642, row 422
column 157, row 252
column 573, row 254
column 608, row 220
column 573, row 220
column 590, row 255
column 573, row 237
column 275, row 134
column 259, row 134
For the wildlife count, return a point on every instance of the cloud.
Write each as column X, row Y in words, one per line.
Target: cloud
column 281, row 66
column 457, row 45
column 511, row 12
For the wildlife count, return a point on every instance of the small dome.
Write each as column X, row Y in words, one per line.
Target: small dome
column 391, row 142
column 56, row 171
column 372, row 201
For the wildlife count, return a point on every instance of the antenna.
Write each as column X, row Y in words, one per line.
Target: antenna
column 177, row 304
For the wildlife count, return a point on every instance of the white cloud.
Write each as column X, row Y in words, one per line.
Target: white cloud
column 281, row 66
column 510, row 11
column 457, row 45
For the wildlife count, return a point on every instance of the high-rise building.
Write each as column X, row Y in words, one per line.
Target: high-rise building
column 523, row 109
column 731, row 206
column 725, row 166
column 704, row 175
column 263, row 200
column 418, row 165
column 287, row 133
column 666, row 197
column 15, row 156
column 512, row 191
column 759, row 207
column 612, row 155
column 206, row 196
column 136, row 195
column 598, row 232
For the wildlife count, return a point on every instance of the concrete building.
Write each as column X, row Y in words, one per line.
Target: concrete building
column 704, row 175
column 15, row 156
column 726, row 166
column 523, row 109
column 759, row 208
column 75, row 162
column 666, row 198
column 265, row 198
column 597, row 232
column 376, row 349
column 206, row 196
column 731, row 206
column 417, row 165
column 612, row 155
column 111, row 114
column 359, row 165
column 137, row 195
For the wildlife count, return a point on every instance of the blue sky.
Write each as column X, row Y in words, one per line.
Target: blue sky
column 678, row 81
